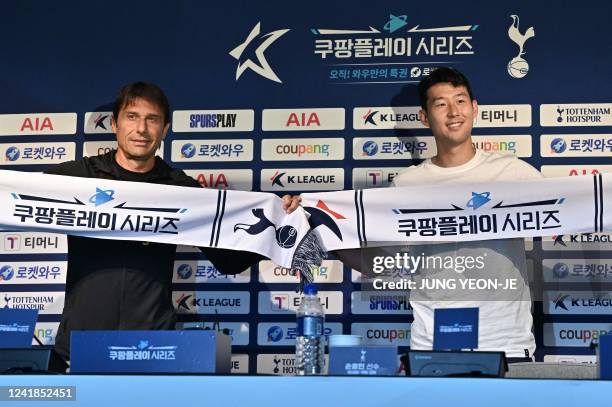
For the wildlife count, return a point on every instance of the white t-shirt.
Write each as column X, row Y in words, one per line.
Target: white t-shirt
column 506, row 324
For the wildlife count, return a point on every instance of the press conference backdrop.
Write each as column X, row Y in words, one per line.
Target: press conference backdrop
column 312, row 96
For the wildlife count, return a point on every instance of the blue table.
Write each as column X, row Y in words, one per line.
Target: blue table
column 238, row 391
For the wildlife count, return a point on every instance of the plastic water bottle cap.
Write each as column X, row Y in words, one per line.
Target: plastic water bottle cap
column 310, row 289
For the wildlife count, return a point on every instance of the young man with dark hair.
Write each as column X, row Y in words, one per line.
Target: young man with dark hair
column 120, row 284
column 505, row 322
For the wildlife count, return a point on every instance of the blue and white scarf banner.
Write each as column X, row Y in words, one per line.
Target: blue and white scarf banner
column 256, row 222
column 461, row 212
column 100, row 208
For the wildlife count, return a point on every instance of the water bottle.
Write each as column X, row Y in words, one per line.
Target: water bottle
column 310, row 341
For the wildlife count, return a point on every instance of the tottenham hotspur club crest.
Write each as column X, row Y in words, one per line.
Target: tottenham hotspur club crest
column 518, row 66
column 286, row 235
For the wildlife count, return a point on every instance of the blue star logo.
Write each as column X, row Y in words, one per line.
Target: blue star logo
column 478, row 199
column 102, row 196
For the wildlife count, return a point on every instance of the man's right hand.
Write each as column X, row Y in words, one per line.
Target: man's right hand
column 291, row 203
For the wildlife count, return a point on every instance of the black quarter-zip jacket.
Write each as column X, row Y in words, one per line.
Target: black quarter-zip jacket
column 119, row 284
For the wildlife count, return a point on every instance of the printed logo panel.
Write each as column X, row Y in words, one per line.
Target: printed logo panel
column 37, row 123
column 302, row 179
column 580, row 114
column 32, row 242
column 282, row 364
column 577, row 302
column 284, row 333
column 503, row 116
column 98, row 122
column 302, row 119
column 330, row 271
column 380, row 302
column 238, row 180
column 94, row 148
column 393, row 148
column 239, row 331
column 518, row 145
column 577, row 270
column 397, row 334
column 576, row 145
column 387, row 117
column 586, row 359
column 574, row 334
column 287, row 302
column 33, row 272
column 582, row 242
column 46, row 332
column 240, row 364
column 212, row 120
column 321, row 149
column 45, row 302
column 211, row 302
column 36, row 153
column 203, row 271
column 381, row 177
column 573, row 170
column 212, row 150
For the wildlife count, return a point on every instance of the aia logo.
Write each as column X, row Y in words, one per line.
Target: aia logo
column 213, row 180
column 303, row 120
column 36, row 124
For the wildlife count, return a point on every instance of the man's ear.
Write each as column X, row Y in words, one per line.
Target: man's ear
column 423, row 118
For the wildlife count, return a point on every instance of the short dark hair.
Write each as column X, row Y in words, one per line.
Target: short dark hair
column 148, row 91
column 442, row 75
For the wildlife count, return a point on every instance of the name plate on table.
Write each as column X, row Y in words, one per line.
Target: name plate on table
column 605, row 357
column 363, row 360
column 150, row 352
column 455, row 328
column 17, row 327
